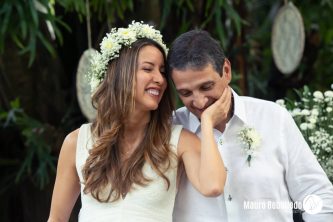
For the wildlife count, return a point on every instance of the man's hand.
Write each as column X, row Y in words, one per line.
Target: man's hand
column 217, row 113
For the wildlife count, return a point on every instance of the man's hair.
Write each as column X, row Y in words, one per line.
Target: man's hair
column 195, row 49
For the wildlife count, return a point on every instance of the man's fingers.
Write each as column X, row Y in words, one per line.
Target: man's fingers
column 224, row 100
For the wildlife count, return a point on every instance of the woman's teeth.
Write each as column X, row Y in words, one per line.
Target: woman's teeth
column 153, row 92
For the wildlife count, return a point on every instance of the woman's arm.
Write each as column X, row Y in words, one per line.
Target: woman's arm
column 67, row 184
column 204, row 166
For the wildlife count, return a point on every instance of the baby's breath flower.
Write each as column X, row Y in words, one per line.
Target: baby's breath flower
column 310, row 126
column 312, row 120
column 305, row 112
column 304, row 126
column 329, row 94
column 280, row 102
column 318, row 95
column 296, row 112
column 313, row 113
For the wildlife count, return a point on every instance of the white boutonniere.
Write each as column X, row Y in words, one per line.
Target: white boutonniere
column 251, row 141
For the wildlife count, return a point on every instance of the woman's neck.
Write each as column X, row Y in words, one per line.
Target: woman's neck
column 137, row 121
column 134, row 132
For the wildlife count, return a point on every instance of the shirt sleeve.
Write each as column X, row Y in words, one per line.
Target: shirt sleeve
column 181, row 117
column 176, row 119
column 304, row 175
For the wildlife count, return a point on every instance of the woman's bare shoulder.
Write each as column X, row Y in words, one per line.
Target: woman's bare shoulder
column 72, row 136
column 70, row 141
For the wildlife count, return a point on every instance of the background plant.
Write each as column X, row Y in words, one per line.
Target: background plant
column 36, row 162
column 313, row 114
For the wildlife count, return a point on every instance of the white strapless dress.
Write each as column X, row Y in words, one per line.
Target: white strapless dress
column 152, row 203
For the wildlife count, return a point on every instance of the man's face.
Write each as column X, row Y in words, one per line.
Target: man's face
column 198, row 89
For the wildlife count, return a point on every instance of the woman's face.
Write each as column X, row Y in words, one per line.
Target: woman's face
column 150, row 79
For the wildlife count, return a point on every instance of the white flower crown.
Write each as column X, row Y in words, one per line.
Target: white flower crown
column 112, row 44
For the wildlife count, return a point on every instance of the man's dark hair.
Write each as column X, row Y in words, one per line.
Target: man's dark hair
column 195, row 49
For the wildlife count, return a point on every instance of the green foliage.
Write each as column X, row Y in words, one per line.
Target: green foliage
column 111, row 10
column 319, row 28
column 204, row 15
column 35, row 159
column 23, row 22
column 313, row 113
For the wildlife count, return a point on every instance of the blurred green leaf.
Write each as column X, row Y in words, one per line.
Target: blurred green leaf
column 33, row 13
column 47, row 45
column 37, row 162
column 15, row 104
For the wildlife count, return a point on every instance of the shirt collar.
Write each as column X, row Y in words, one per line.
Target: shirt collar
column 239, row 107
column 194, row 123
column 239, row 112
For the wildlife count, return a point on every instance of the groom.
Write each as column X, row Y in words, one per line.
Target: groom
column 270, row 169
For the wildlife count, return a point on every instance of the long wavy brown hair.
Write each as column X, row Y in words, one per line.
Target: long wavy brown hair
column 106, row 175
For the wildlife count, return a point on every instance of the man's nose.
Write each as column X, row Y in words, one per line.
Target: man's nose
column 199, row 101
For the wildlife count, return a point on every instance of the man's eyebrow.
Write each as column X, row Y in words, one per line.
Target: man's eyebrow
column 207, row 82
column 182, row 90
column 201, row 84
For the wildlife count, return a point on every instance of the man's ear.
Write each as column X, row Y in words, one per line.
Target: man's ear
column 227, row 70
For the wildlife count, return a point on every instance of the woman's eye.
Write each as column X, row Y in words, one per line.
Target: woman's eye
column 147, row 69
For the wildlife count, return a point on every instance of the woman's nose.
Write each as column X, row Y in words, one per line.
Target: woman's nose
column 159, row 78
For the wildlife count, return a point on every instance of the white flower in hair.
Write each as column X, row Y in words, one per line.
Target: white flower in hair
column 113, row 42
column 109, row 45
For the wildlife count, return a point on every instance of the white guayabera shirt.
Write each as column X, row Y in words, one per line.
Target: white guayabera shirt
column 283, row 170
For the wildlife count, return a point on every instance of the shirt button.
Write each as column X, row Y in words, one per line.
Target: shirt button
column 229, row 198
column 220, row 141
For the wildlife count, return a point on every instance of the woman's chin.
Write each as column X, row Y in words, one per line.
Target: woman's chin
column 154, row 108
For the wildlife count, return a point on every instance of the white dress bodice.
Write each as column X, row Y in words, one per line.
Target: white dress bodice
column 151, row 203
